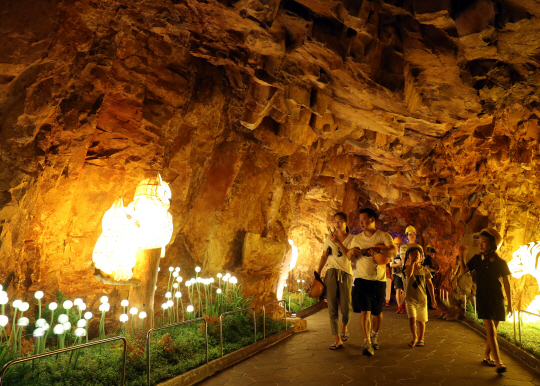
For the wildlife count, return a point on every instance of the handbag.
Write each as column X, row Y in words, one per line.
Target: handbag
column 317, row 286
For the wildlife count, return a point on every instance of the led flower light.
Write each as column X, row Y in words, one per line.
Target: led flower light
column 134, row 311
column 233, row 280
column 190, row 308
column 24, row 307
column 142, row 315
column 81, row 323
column 116, row 248
column 158, row 269
column 175, row 285
column 39, row 332
column 179, row 279
column 88, row 315
column 59, row 329
column 23, row 322
column 178, row 295
column 164, row 306
column 80, row 332
column 67, row 326
column 188, row 283
column 219, row 275
column 171, row 269
column 105, row 307
column 62, row 318
column 38, row 295
column 40, row 323
column 177, row 269
column 81, row 306
column 3, row 320
column 168, row 295
column 124, row 303
column 170, row 303
column 53, row 306
column 225, row 278
column 104, row 299
column 67, row 304
column 175, row 274
column 17, row 304
column 4, row 300
column 218, row 290
column 124, row 318
column 77, row 301
column 197, row 269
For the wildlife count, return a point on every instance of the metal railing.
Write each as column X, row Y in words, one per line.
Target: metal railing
column 63, row 350
column 519, row 323
column 264, row 315
column 149, row 337
column 233, row 312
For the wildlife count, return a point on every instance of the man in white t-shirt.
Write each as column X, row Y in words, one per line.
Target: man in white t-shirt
column 374, row 249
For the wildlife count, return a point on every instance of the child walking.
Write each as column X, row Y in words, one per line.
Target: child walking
column 415, row 295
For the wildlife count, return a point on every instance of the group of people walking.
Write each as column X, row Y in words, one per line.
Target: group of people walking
column 357, row 272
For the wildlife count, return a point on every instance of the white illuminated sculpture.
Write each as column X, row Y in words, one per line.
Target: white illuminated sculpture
column 294, row 257
column 145, row 223
column 116, row 249
column 150, row 206
column 524, row 261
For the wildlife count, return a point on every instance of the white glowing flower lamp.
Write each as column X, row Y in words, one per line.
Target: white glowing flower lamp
column 104, row 299
column 124, row 318
column 68, row 304
column 178, row 295
column 40, row 323
column 77, row 301
column 38, row 295
column 133, row 311
column 124, row 303
column 170, row 303
column 67, row 326
column 24, row 307
column 88, row 315
column 23, row 322
column 80, row 332
column 17, row 303
column 190, row 308
column 39, row 332
column 81, row 323
column 219, row 275
column 62, row 318
column 58, row 329
column 177, row 269
column 142, row 315
column 53, row 306
column 3, row 320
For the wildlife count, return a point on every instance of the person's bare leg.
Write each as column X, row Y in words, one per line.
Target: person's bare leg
column 421, row 331
column 487, row 353
column 491, row 333
column 376, row 324
column 412, row 325
column 344, row 328
column 398, row 296
column 365, row 323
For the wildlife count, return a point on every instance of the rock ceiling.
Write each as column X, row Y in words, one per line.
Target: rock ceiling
column 254, row 109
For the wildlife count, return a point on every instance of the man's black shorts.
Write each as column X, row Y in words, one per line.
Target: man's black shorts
column 398, row 282
column 368, row 295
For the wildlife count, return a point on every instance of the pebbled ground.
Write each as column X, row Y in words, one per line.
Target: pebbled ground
column 452, row 357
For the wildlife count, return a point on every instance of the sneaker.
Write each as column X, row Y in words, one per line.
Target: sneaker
column 368, row 350
column 375, row 342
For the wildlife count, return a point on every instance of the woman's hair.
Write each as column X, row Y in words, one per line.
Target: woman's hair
column 370, row 212
column 344, row 217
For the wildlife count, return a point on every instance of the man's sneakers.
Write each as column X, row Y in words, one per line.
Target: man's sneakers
column 368, row 349
column 375, row 341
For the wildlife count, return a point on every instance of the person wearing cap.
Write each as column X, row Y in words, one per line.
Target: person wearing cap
column 490, row 269
column 397, row 270
column 373, row 248
column 429, row 264
column 410, row 232
column 419, row 278
column 338, row 278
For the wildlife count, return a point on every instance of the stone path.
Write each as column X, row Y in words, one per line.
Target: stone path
column 452, row 357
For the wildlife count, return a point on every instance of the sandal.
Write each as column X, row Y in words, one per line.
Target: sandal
column 412, row 343
column 501, row 369
column 344, row 336
column 489, row 362
column 420, row 343
column 387, row 304
column 336, row 346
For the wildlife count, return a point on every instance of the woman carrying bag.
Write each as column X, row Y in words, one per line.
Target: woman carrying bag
column 338, row 278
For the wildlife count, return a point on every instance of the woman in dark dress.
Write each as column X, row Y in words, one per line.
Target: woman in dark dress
column 489, row 268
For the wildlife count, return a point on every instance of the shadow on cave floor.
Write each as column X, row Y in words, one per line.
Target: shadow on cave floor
column 452, row 356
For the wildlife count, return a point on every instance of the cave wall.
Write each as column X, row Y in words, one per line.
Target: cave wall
column 265, row 117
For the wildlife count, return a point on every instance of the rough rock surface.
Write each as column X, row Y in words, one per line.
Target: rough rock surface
column 265, row 117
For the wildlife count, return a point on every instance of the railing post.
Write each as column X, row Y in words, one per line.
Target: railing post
column 475, row 313
column 255, row 325
column 221, row 333
column 514, row 319
column 264, row 322
column 519, row 326
column 206, row 338
column 465, row 303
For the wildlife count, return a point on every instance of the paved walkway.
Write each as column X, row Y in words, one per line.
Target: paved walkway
column 452, row 357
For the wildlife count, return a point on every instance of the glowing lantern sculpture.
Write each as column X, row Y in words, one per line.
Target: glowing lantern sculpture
column 524, row 261
column 149, row 207
column 116, row 249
